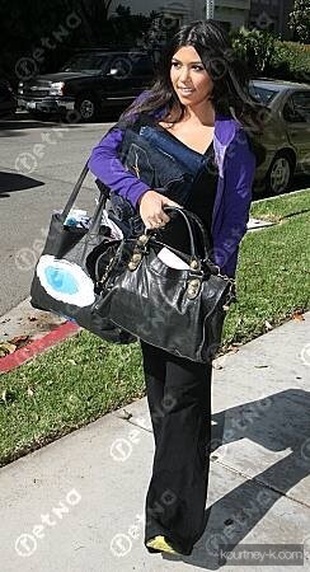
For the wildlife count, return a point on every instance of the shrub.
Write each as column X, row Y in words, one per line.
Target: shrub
column 265, row 55
column 291, row 61
column 255, row 47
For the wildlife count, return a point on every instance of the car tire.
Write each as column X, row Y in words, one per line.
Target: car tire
column 280, row 174
column 86, row 107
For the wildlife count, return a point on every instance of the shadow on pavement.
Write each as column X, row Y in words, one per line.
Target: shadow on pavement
column 232, row 517
column 13, row 127
column 10, row 182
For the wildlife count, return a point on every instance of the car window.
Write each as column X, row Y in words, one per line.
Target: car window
column 301, row 102
column 262, row 94
column 88, row 62
column 142, row 65
column 297, row 108
column 120, row 66
column 131, row 64
column 289, row 111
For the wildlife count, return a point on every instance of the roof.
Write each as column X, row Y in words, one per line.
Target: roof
column 278, row 84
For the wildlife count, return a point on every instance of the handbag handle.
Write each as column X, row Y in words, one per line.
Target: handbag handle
column 191, row 221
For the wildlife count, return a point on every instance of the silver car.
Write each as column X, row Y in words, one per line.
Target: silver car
column 286, row 135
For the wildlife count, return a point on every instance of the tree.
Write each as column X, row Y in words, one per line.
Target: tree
column 299, row 21
column 255, row 47
column 37, row 37
column 94, row 14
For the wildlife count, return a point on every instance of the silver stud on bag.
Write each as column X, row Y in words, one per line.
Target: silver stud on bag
column 194, row 264
column 143, row 239
column 193, row 287
column 134, row 261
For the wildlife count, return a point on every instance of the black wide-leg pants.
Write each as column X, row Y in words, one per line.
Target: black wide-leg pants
column 179, row 399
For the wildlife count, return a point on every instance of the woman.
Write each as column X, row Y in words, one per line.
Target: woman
column 200, row 108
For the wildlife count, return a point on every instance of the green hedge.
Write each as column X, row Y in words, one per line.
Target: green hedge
column 269, row 57
column 291, row 60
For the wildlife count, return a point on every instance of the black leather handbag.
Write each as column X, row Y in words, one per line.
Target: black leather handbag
column 178, row 310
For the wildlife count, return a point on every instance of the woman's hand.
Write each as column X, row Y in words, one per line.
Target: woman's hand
column 151, row 209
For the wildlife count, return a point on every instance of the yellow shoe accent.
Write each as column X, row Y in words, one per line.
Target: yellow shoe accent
column 161, row 544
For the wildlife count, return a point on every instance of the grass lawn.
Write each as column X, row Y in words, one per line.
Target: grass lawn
column 82, row 378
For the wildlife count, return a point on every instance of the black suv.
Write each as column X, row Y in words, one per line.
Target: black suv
column 92, row 82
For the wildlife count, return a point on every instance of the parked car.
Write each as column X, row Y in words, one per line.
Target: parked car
column 93, row 81
column 286, row 135
column 8, row 100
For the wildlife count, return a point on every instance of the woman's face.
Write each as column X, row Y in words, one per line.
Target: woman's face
column 190, row 80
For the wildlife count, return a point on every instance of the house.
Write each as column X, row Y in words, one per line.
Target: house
column 233, row 13
column 271, row 15
column 180, row 10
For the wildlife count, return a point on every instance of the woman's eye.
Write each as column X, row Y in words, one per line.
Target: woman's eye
column 195, row 67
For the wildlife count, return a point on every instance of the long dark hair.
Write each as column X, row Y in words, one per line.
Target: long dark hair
column 230, row 97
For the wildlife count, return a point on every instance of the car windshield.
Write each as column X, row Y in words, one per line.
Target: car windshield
column 263, row 94
column 90, row 63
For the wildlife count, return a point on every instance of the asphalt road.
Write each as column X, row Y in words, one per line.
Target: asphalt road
column 39, row 163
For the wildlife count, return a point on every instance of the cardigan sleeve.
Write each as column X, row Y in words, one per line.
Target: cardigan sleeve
column 238, row 174
column 105, row 164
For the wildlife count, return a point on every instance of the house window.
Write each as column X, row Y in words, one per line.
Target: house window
column 170, row 21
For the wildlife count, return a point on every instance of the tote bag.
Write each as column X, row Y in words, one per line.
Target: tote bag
column 63, row 280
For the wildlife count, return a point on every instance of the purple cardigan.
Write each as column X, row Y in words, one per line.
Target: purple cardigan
column 236, row 165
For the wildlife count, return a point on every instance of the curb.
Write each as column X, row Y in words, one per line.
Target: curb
column 20, row 356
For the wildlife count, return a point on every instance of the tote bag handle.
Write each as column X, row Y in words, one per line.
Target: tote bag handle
column 95, row 223
column 76, row 189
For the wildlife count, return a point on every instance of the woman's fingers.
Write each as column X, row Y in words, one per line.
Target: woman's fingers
column 152, row 209
column 169, row 203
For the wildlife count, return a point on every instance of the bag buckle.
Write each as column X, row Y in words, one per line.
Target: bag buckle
column 135, row 261
column 139, row 250
column 193, row 287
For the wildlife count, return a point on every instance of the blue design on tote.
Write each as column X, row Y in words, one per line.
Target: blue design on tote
column 61, row 280
column 65, row 281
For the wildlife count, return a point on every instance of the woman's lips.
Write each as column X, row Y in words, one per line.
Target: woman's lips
column 185, row 90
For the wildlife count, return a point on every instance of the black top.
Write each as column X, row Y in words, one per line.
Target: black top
column 201, row 198
column 203, row 193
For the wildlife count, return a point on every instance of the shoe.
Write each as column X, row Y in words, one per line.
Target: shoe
column 160, row 544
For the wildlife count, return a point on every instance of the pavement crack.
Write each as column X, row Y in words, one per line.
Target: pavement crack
column 124, row 414
column 140, row 422
column 137, row 424
column 261, row 482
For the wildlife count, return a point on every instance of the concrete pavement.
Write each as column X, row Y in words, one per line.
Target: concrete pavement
column 77, row 504
column 30, row 332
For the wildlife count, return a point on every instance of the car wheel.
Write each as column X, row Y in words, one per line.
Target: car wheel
column 86, row 107
column 280, row 174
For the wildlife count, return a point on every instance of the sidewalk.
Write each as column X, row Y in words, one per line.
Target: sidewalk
column 77, row 505
column 41, row 331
